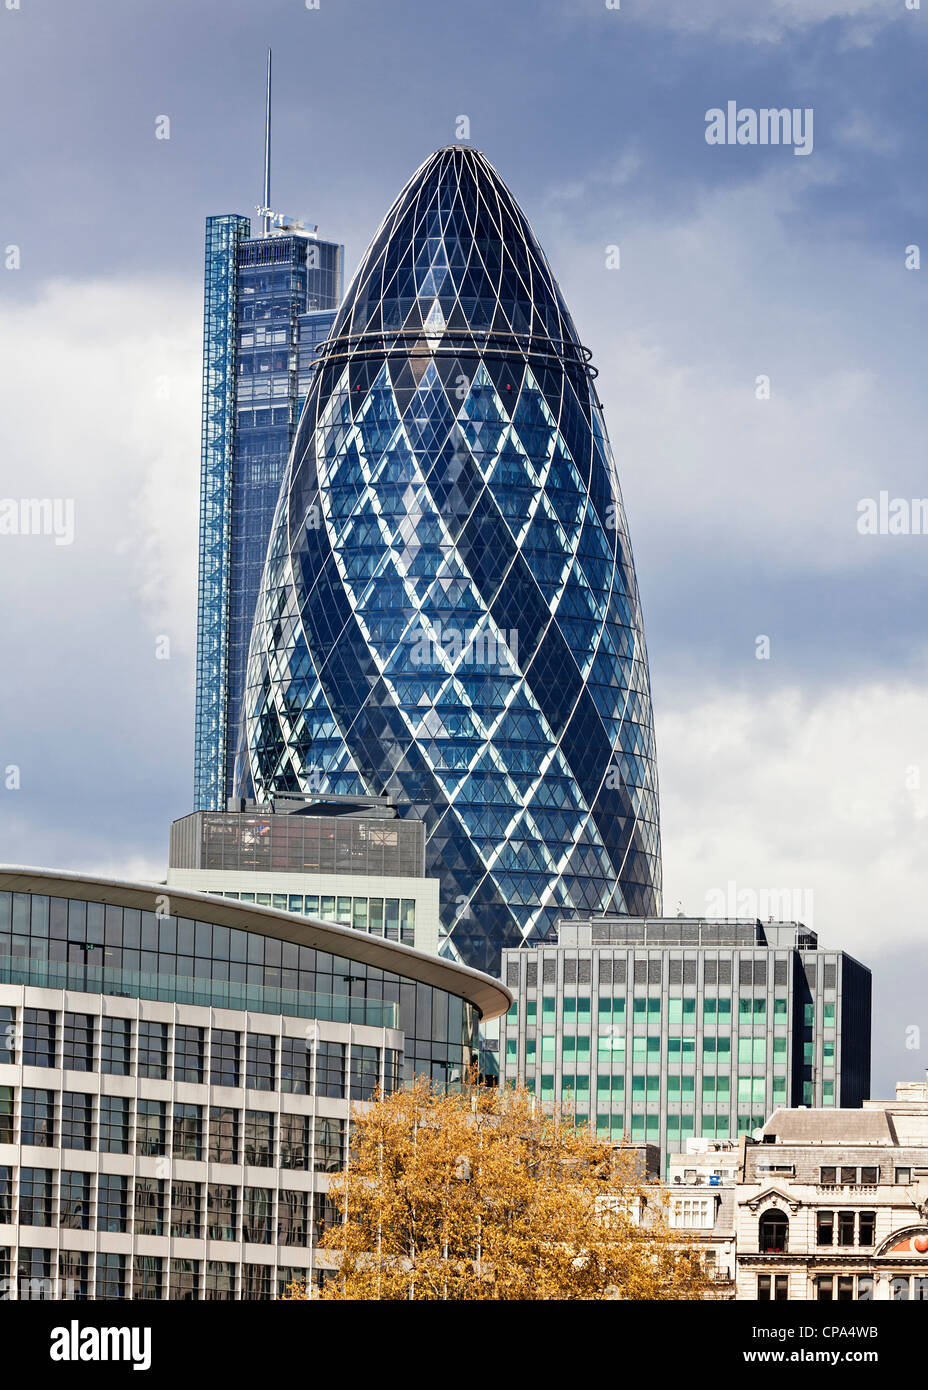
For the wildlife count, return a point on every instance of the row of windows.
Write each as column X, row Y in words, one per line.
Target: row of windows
column 35, row 927
column 647, row 1127
column 77, row 1120
column 144, row 1277
column 576, row 1047
column 751, row 1090
column 846, row 1288
column 124, row 1047
column 80, row 1201
column 392, row 918
column 864, row 1175
column 845, row 1228
column 616, row 967
column 648, row 1009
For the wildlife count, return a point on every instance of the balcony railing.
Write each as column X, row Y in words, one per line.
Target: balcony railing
column 181, row 989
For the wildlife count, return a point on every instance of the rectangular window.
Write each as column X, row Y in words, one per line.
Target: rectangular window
column 187, row 1137
column 222, row 1212
column 329, row 1145
column 149, row 1206
column 35, row 1273
column 114, row 1125
column 829, row 1176
column 7, row 1114
column 185, row 1280
column 74, row 1275
column 548, row 1009
column 365, row 1072
column 829, row 1015
column 330, row 1070
column 845, row 1228
column 77, row 1042
column 76, row 1120
column 148, row 1277
column 223, row 1134
column 294, row 1141
column 867, row 1228
column 296, row 1066
column 189, row 1052
column 39, row 1038
column 870, row 1175
column 259, row 1138
column 6, row 1198
column 220, row 1281
column 38, row 1118
column 325, row 1214
column 74, row 1201
column 293, row 1218
column 256, row 1281
column 186, row 1209
column 825, row 1228
column 256, row 1215
column 111, row 1276
column 115, row 1045
column 112, row 1202
column 153, row 1049
column 151, row 1127
column 225, row 1057
column 260, row 1063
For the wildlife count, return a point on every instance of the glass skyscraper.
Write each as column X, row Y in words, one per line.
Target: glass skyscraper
column 269, row 302
column 449, row 615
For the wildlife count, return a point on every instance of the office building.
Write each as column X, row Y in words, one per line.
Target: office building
column 354, row 862
column 669, row 1028
column 177, row 1075
column 269, row 303
column 449, row 615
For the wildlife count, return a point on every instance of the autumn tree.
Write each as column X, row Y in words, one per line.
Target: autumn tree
column 483, row 1195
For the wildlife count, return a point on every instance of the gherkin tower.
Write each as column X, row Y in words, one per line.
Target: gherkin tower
column 449, row 613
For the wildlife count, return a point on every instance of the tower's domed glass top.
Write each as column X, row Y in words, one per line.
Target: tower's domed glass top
column 449, row 613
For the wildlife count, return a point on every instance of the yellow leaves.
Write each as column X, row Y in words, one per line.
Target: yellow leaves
column 482, row 1196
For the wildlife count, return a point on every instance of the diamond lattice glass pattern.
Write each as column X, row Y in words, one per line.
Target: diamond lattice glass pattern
column 449, row 613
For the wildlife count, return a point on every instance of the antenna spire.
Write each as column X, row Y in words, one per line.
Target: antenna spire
column 267, row 152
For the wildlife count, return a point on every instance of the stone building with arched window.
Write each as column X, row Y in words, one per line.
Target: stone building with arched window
column 833, row 1204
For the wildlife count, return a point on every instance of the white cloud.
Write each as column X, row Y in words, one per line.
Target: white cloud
column 827, row 795
column 765, row 21
column 708, row 299
column 100, row 402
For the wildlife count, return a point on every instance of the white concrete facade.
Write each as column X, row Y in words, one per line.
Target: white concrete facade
column 278, row 1260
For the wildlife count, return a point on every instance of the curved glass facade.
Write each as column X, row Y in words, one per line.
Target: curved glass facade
column 108, row 949
column 176, row 1092
column 449, row 613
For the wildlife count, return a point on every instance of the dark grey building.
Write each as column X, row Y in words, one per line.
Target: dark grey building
column 661, row 1029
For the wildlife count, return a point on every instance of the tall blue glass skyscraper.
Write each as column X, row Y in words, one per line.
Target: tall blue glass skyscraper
column 449, row 615
column 269, row 302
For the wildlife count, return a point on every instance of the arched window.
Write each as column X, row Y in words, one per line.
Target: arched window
column 773, row 1233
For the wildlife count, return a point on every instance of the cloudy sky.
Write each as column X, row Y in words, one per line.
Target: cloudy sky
column 740, row 266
